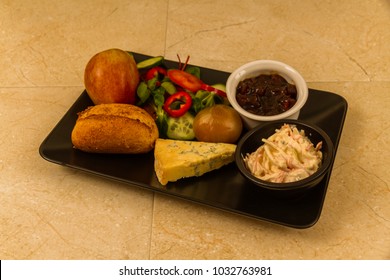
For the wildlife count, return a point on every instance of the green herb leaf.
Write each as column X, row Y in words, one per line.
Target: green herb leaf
column 143, row 93
column 169, row 87
column 194, row 71
column 158, row 97
column 152, row 83
column 162, row 121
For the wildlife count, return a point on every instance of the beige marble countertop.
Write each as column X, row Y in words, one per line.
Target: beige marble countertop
column 52, row 212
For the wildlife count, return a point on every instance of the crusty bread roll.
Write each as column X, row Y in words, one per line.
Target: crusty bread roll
column 114, row 128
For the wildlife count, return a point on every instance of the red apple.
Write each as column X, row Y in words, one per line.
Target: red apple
column 111, row 76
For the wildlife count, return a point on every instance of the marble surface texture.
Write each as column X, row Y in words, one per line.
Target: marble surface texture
column 51, row 212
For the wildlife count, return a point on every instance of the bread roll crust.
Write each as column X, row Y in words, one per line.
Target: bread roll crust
column 114, row 128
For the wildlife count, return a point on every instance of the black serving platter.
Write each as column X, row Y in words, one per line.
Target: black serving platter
column 226, row 188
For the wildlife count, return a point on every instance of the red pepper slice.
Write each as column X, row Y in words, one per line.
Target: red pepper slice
column 153, row 72
column 178, row 104
column 185, row 80
column 214, row 90
column 191, row 83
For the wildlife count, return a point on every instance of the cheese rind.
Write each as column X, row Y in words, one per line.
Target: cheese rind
column 175, row 159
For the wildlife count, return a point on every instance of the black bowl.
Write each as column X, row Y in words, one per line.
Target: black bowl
column 252, row 140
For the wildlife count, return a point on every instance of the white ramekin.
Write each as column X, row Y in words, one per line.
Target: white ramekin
column 255, row 68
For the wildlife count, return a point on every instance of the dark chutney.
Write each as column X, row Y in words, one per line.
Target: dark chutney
column 266, row 94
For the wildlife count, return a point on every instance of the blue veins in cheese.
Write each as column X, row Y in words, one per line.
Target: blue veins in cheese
column 175, row 159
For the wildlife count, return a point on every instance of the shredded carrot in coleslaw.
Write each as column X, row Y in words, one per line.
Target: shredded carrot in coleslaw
column 286, row 156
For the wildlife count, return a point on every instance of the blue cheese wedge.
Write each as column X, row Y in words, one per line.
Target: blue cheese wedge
column 175, row 159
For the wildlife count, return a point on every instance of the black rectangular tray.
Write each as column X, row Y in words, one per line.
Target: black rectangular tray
column 226, row 188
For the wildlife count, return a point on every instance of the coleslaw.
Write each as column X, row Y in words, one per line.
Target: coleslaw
column 286, row 156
